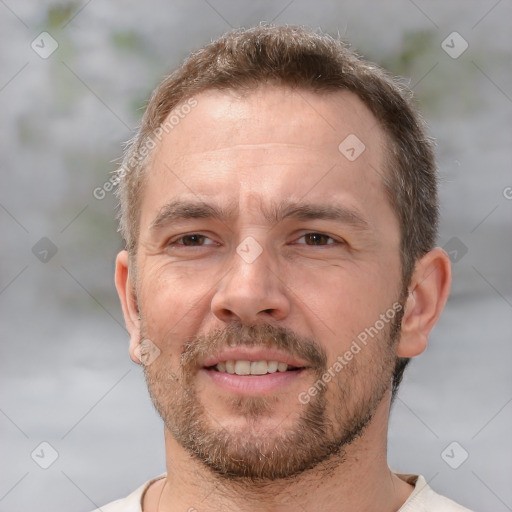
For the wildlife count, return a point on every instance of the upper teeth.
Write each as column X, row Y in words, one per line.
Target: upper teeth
column 251, row 367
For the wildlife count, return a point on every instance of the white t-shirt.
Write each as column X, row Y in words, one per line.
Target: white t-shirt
column 422, row 499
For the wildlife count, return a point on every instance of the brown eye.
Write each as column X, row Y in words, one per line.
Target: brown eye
column 317, row 239
column 191, row 240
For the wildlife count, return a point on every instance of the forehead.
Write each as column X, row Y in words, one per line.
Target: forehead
column 268, row 144
column 273, row 115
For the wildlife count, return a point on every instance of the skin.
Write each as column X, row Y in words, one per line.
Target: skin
column 234, row 149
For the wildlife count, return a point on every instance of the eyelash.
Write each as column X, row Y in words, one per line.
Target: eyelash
column 175, row 244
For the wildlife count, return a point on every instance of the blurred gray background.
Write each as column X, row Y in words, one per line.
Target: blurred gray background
column 66, row 378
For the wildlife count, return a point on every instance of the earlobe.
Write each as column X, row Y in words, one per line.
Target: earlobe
column 128, row 298
column 428, row 292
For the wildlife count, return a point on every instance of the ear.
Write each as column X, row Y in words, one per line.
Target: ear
column 428, row 292
column 128, row 298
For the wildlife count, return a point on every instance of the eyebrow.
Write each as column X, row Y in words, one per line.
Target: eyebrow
column 178, row 210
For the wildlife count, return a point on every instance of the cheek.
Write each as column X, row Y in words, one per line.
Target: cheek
column 339, row 303
column 172, row 303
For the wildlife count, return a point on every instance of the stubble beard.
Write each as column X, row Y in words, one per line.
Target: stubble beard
column 252, row 453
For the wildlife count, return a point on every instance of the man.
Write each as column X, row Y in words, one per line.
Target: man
column 279, row 208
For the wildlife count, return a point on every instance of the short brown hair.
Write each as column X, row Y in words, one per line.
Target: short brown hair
column 299, row 58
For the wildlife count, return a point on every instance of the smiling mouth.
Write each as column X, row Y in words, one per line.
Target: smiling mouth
column 244, row 367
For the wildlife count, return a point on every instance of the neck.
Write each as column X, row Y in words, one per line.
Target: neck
column 360, row 482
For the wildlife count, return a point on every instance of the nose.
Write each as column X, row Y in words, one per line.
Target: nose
column 251, row 292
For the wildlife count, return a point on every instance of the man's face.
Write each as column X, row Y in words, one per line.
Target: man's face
column 271, row 280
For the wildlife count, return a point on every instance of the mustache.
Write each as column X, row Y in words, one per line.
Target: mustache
column 263, row 335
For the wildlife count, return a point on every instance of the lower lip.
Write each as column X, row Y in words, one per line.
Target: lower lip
column 252, row 384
